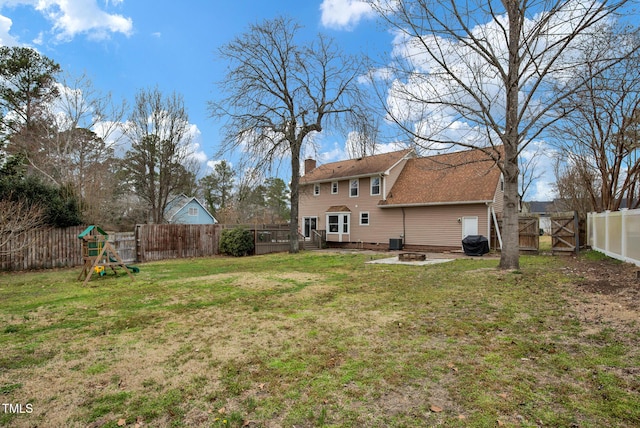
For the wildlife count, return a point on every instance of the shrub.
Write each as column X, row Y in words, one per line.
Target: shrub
column 60, row 206
column 236, row 242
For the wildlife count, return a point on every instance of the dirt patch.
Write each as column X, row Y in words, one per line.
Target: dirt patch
column 607, row 293
column 253, row 281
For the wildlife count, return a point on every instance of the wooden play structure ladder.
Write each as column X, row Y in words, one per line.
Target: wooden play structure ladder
column 98, row 252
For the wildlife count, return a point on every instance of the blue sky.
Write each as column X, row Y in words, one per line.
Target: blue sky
column 127, row 45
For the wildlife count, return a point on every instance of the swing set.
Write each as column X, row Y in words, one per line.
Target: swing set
column 98, row 254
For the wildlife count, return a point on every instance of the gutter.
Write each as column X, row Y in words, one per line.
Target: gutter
column 433, row 204
column 331, row 180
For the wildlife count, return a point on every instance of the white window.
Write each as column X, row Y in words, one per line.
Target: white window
column 338, row 224
column 332, row 222
column 364, row 219
column 353, row 187
column 375, row 186
column 334, row 188
column 316, row 189
column 193, row 211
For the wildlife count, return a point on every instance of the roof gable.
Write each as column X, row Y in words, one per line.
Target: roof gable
column 178, row 206
column 466, row 176
column 352, row 168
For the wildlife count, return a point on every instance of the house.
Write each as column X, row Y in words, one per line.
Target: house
column 427, row 202
column 187, row 210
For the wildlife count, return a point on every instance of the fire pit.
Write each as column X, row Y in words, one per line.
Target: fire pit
column 412, row 257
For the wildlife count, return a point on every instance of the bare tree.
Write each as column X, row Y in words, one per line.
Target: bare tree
column 486, row 74
column 17, row 219
column 278, row 91
column 599, row 135
column 529, row 172
column 363, row 141
column 159, row 163
column 81, row 154
column 575, row 185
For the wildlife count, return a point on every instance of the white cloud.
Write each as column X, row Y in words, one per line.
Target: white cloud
column 543, row 190
column 336, row 152
column 39, row 39
column 540, row 155
column 195, row 148
column 344, row 14
column 72, row 17
column 211, row 164
column 84, row 17
column 5, row 38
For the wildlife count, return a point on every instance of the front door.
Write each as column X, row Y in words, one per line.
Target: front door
column 310, row 224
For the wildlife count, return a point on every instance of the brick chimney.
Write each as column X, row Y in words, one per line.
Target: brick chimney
column 309, row 165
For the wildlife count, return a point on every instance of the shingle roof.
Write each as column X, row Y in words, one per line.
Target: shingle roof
column 540, row 207
column 338, row 209
column 467, row 176
column 360, row 167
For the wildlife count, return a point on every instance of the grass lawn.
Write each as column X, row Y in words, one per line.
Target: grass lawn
column 312, row 340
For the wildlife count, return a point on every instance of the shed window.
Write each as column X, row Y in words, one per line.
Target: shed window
column 193, row 211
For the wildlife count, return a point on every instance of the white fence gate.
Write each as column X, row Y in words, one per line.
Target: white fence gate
column 616, row 234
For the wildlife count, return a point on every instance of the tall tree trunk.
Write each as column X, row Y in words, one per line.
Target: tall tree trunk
column 294, row 246
column 510, row 255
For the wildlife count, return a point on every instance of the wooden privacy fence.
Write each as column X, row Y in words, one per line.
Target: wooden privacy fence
column 125, row 244
column 48, row 248
column 173, row 241
column 51, row 248
column 565, row 233
column 44, row 248
column 529, row 234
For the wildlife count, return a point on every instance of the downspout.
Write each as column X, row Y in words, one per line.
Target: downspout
column 495, row 223
column 404, row 228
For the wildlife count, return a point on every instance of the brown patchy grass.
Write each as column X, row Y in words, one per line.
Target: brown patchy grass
column 318, row 340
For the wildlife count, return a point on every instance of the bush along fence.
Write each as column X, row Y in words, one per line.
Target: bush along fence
column 616, row 234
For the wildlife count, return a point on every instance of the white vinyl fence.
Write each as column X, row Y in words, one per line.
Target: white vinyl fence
column 616, row 234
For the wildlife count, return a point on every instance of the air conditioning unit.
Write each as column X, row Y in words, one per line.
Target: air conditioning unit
column 395, row 244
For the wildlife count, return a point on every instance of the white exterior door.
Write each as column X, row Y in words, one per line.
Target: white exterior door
column 469, row 226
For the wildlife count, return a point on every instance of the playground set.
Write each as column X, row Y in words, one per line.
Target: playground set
column 98, row 253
